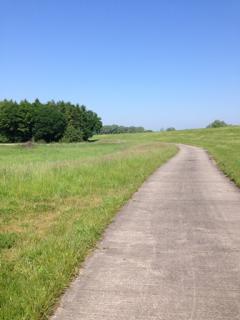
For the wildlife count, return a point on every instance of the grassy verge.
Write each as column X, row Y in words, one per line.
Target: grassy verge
column 55, row 201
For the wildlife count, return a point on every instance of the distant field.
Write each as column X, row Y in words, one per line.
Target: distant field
column 222, row 143
column 55, row 201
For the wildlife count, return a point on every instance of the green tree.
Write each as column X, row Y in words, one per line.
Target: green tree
column 83, row 120
column 217, row 124
column 16, row 120
column 92, row 126
column 114, row 128
column 49, row 124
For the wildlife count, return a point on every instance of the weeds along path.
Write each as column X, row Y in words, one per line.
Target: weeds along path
column 172, row 253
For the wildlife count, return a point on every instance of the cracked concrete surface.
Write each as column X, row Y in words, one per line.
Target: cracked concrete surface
column 172, row 253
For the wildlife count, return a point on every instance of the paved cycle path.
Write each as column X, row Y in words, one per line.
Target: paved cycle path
column 172, row 253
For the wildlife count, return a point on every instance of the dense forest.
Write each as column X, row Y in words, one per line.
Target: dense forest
column 49, row 122
column 114, row 128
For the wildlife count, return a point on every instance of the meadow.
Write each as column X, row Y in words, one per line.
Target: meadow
column 57, row 199
column 55, row 202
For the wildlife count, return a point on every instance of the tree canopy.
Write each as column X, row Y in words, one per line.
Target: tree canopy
column 171, row 129
column 217, row 124
column 52, row 121
column 114, row 128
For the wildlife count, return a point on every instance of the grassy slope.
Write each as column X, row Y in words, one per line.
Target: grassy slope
column 55, row 201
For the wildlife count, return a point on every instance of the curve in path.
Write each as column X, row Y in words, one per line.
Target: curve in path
column 172, row 253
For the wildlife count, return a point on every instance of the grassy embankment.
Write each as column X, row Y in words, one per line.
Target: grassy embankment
column 55, row 201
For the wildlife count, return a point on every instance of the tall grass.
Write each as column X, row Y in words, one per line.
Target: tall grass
column 55, row 201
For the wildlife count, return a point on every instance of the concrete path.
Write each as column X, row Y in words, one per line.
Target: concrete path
column 172, row 253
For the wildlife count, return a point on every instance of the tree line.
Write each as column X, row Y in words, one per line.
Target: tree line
column 49, row 122
column 114, row 128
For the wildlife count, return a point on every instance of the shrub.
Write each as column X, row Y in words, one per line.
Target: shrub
column 72, row 134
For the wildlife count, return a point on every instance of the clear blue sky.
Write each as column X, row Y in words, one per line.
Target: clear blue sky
column 155, row 63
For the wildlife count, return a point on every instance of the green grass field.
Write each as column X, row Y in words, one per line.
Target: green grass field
column 56, row 200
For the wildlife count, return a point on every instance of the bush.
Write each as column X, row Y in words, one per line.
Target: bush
column 72, row 134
